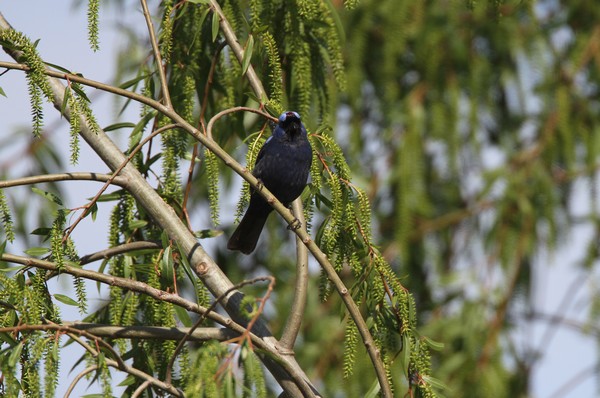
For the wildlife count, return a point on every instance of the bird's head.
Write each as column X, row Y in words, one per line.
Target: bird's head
column 290, row 122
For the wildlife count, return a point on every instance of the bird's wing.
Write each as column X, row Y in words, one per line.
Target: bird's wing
column 258, row 168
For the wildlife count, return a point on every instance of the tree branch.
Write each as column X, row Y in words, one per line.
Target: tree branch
column 294, row 321
column 238, row 51
column 159, row 63
column 78, row 176
column 136, row 332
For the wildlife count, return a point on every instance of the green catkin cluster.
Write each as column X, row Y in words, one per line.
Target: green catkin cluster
column 212, row 174
column 253, row 149
column 254, row 378
column 275, row 73
column 93, row 17
column 166, row 36
column 7, row 223
column 37, row 84
column 206, row 365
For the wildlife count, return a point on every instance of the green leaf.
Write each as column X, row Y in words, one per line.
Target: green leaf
column 94, row 211
column 7, row 338
column 110, row 197
column 136, row 224
column 434, row 345
column 15, row 355
column 433, row 382
column 2, row 92
column 133, row 81
column 65, row 101
column 66, row 299
column 374, row 390
column 77, row 88
column 183, row 316
column 208, row 233
column 215, row 25
column 136, row 134
column 117, row 126
column 41, row 231
column 129, row 380
column 37, row 251
column 198, row 1
column 167, row 265
column 58, row 67
column 247, row 54
column 48, row 195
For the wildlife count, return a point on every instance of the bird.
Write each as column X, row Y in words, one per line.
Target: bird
column 282, row 166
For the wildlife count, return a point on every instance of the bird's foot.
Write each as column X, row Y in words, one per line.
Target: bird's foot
column 259, row 185
column 294, row 225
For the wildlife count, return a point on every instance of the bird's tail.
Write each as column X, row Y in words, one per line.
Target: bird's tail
column 246, row 235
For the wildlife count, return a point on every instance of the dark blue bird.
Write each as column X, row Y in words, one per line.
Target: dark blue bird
column 282, row 166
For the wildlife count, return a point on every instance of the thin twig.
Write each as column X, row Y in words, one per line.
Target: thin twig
column 76, row 176
column 94, row 200
column 159, row 63
column 79, row 376
column 117, row 250
column 238, row 51
column 203, row 317
column 195, row 150
column 153, row 332
column 140, row 390
column 219, row 115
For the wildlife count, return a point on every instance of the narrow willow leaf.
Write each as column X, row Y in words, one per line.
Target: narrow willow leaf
column 208, row 233
column 129, row 380
column 15, row 355
column 117, row 126
column 215, row 25
column 133, row 81
column 2, row 93
column 65, row 101
column 183, row 316
column 66, row 299
column 94, row 211
column 136, row 134
column 48, row 195
column 37, row 251
column 42, row 231
column 110, row 197
column 247, row 54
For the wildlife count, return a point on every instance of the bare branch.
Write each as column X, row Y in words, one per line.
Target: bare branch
column 238, row 50
column 76, row 176
column 79, row 376
column 294, row 321
column 154, row 332
column 94, row 200
column 115, row 251
column 159, row 63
